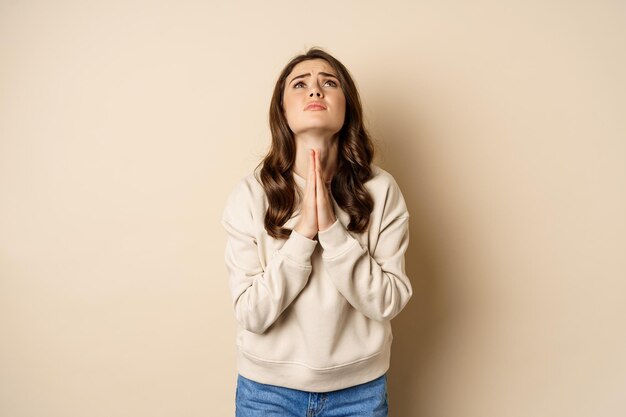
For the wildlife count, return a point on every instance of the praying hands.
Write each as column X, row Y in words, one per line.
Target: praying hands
column 316, row 209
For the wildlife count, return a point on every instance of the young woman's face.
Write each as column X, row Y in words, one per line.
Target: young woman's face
column 313, row 100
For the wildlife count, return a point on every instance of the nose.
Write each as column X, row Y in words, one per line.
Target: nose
column 315, row 91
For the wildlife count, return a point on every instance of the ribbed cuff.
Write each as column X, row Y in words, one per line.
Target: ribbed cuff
column 335, row 240
column 299, row 249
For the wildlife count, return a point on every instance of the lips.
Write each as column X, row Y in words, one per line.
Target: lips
column 315, row 105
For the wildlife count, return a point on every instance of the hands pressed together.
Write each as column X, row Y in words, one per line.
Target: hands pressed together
column 316, row 211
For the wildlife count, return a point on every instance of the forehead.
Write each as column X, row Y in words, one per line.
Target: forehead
column 312, row 66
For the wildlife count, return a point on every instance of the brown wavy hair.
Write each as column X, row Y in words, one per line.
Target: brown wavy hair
column 354, row 156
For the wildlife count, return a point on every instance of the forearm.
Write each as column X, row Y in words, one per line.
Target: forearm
column 261, row 295
column 377, row 286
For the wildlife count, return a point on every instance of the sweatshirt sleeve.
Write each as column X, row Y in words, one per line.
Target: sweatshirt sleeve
column 260, row 294
column 374, row 283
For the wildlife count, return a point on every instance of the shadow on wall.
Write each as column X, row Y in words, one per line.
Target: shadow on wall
column 400, row 139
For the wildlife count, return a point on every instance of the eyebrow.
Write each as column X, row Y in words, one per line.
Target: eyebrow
column 309, row 74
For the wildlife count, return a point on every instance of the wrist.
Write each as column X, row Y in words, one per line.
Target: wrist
column 309, row 234
column 327, row 225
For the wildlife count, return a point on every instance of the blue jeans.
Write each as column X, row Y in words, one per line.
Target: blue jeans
column 254, row 399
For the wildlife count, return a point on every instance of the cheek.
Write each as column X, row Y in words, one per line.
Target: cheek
column 342, row 106
column 287, row 107
column 290, row 102
column 290, row 112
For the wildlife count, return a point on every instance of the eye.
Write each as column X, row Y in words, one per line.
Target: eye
column 299, row 84
column 330, row 83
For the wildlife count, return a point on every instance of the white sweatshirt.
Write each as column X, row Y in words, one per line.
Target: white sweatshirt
column 314, row 315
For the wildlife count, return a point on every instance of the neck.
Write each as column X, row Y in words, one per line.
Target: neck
column 328, row 155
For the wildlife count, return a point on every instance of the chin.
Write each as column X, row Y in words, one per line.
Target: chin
column 316, row 130
column 322, row 128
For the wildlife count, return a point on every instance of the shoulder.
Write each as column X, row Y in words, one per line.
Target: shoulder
column 244, row 196
column 382, row 182
column 248, row 185
column 381, row 178
column 386, row 193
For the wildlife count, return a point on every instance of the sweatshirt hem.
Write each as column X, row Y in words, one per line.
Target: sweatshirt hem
column 305, row 378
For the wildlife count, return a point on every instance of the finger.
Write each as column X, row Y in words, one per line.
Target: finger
column 311, row 175
column 318, row 162
column 325, row 213
column 321, row 183
column 318, row 168
column 312, row 190
column 317, row 177
column 321, row 198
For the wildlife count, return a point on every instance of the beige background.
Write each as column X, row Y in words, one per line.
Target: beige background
column 124, row 125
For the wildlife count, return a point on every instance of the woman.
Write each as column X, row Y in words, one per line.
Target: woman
column 315, row 252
